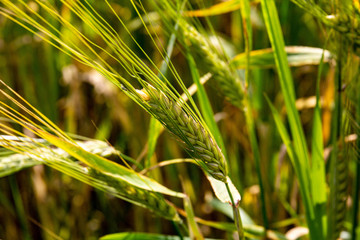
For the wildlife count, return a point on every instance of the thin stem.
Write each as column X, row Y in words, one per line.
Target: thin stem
column 237, row 217
column 336, row 135
column 245, row 15
column 181, row 229
column 355, row 211
column 256, row 152
column 166, row 163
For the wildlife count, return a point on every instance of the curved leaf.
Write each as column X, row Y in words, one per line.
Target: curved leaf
column 221, row 191
column 108, row 167
column 296, row 56
column 217, row 9
column 14, row 162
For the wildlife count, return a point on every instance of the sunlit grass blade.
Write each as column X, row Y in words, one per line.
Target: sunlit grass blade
column 155, row 129
column 339, row 156
column 248, row 103
column 277, row 41
column 57, row 159
column 14, row 162
column 193, row 227
column 227, row 210
column 216, row 9
column 286, row 139
column 287, row 87
column 296, row 56
column 318, row 162
column 289, row 148
column 318, row 166
column 293, row 157
column 106, row 166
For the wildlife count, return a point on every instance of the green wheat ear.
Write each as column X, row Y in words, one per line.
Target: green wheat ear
column 151, row 200
column 197, row 138
column 228, row 82
column 226, row 79
column 339, row 195
column 179, row 121
column 345, row 22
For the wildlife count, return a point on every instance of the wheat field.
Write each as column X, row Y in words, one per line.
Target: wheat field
column 181, row 119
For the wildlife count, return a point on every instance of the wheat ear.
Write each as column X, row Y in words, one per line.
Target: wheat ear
column 338, row 195
column 151, row 200
column 227, row 80
column 198, row 140
column 346, row 23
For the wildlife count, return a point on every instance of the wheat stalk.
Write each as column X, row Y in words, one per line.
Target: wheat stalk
column 197, row 138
